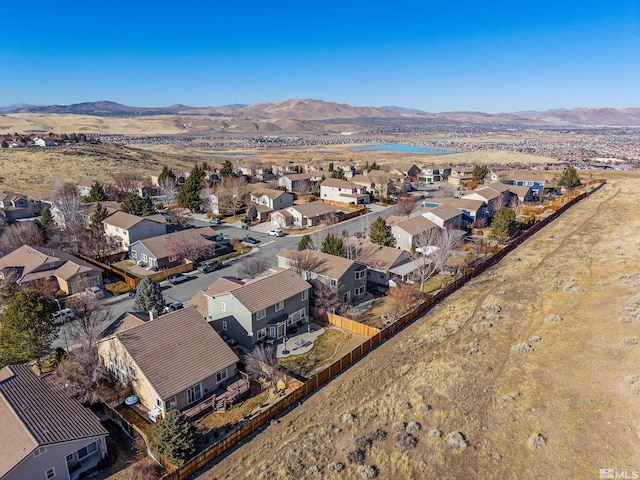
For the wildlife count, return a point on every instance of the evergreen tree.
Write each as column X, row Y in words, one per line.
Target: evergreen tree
column 27, row 329
column 45, row 217
column 330, row 166
column 189, row 194
column 174, row 438
column 133, row 204
column 380, row 233
column 96, row 194
column 367, row 167
column 375, row 166
column 305, row 243
column 148, row 208
column 338, row 173
column 227, row 169
column 332, row 245
column 166, row 173
column 148, row 296
column 569, row 178
column 99, row 214
column 503, row 225
column 479, row 172
column 5, row 144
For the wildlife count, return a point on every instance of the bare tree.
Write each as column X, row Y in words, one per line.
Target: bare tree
column 422, row 255
column 252, row 267
column 325, row 297
column 168, row 191
column 69, row 204
column 23, row 233
column 405, row 205
column 189, row 245
column 448, row 189
column 306, row 263
column 83, row 370
column 210, row 201
column 401, row 299
column 447, row 241
column 262, row 362
column 302, row 188
column 366, row 252
column 232, row 196
column 126, row 182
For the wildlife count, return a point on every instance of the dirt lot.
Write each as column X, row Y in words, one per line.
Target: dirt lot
column 568, row 298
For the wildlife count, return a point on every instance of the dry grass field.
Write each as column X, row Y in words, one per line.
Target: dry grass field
column 531, row 371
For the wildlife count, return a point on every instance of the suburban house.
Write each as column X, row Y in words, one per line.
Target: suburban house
column 15, row 206
column 309, row 214
column 378, row 259
column 434, row 173
column 272, row 198
column 495, row 195
column 405, row 169
column 525, row 178
column 343, row 191
column 460, row 175
column 83, row 187
column 263, row 309
column 46, row 434
column 523, row 193
column 379, row 183
column 45, row 142
column 86, row 211
column 31, row 264
column 349, row 169
column 190, row 245
column 407, row 231
column 125, row 228
column 471, row 209
column 444, row 216
column 347, row 276
column 172, row 362
column 296, row 182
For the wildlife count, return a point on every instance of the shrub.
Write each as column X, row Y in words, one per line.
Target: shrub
column 174, row 438
column 456, row 440
column 335, row 467
column 553, row 318
column 362, row 443
column 143, row 469
column 405, row 440
column 348, row 418
column 521, row 348
column 435, row 433
column 535, row 339
column 536, row 441
column 368, row 471
column 376, row 434
column 315, row 470
column 413, row 427
column 117, row 288
column 356, row 456
column 399, row 426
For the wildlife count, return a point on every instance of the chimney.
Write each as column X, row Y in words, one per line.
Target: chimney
column 153, row 314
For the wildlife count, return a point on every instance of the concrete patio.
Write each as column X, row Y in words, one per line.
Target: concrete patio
column 301, row 342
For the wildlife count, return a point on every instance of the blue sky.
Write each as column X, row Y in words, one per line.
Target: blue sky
column 437, row 56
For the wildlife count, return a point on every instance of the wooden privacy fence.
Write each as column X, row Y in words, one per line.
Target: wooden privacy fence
column 121, row 274
column 163, row 274
column 356, row 327
column 252, row 425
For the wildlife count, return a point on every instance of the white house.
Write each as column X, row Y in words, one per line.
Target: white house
column 343, row 191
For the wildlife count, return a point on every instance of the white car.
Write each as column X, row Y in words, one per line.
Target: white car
column 95, row 292
column 62, row 315
column 275, row 233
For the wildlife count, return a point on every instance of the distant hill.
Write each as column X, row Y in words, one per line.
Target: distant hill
column 307, row 110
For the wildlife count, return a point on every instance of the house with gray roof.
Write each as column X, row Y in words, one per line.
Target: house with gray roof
column 296, row 182
column 46, row 434
column 265, row 308
column 125, row 228
column 302, row 215
column 174, row 361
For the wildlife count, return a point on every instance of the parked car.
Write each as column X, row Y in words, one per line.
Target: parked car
column 95, row 292
column 132, row 292
column 172, row 307
column 62, row 315
column 250, row 240
column 215, row 221
column 210, row 266
column 275, row 233
column 176, row 278
column 361, row 234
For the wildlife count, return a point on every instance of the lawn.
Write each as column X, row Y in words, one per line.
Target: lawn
column 125, row 265
column 324, row 349
column 133, row 417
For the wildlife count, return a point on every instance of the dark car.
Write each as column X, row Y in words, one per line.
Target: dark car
column 132, row 292
column 172, row 307
column 177, row 278
column 210, row 266
column 251, row 240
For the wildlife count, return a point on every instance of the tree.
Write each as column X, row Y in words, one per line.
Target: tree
column 23, row 233
column 330, row 166
column 189, row 193
column 380, row 233
column 166, row 174
column 4, row 143
column 174, row 438
column 252, row 267
column 168, row 190
column 448, row 189
column 325, row 298
column 252, row 213
column 148, row 296
column 227, row 170
column 69, row 205
column 190, row 245
column 503, row 225
column 306, row 243
column 338, row 173
column 401, row 299
column 479, row 172
column 304, row 261
column 405, row 204
column 27, row 329
column 137, row 205
column 96, row 194
column 447, row 241
column 232, row 196
column 8, row 287
column 332, row 245
column 125, row 183
column 421, row 256
column 99, row 214
column 45, row 217
column 569, row 178
column 262, row 362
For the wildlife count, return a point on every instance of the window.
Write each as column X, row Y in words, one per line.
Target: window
column 50, row 473
column 262, row 333
column 88, row 450
column 134, row 254
column 305, row 295
column 260, row 314
column 360, row 274
column 223, row 306
column 159, row 402
column 39, row 451
column 224, row 325
column 333, row 282
column 279, row 305
column 346, row 297
column 358, row 290
column 170, row 403
column 194, row 393
column 132, row 373
column 221, row 375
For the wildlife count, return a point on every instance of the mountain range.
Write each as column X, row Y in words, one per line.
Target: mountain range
column 305, row 110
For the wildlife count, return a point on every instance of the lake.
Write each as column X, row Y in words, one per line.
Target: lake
column 401, row 147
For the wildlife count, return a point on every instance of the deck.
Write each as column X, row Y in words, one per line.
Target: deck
column 232, row 390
